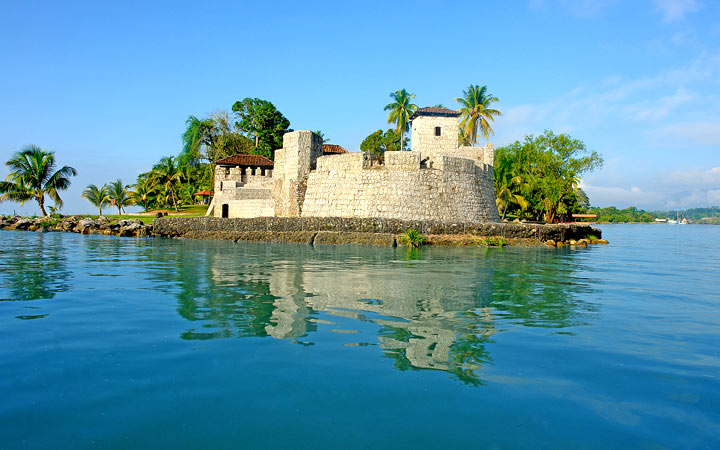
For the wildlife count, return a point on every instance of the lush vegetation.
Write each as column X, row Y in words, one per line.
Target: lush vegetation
column 538, row 178
column 382, row 141
column 414, row 238
column 33, row 176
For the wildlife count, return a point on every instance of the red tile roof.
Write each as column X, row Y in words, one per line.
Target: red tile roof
column 202, row 193
column 245, row 160
column 332, row 149
column 435, row 111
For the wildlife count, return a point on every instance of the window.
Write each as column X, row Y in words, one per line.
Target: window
column 437, row 131
column 225, row 211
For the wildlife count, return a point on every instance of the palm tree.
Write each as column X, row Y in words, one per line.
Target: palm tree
column 505, row 194
column 97, row 196
column 400, row 111
column 166, row 172
column 120, row 195
column 476, row 113
column 143, row 194
column 32, row 176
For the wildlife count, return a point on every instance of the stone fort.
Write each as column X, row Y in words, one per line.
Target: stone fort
column 437, row 180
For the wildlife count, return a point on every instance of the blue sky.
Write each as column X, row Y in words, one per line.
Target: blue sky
column 108, row 86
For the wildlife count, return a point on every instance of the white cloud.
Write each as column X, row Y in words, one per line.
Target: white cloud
column 672, row 10
column 703, row 132
column 678, row 189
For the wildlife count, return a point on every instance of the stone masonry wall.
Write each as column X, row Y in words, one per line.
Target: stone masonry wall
column 182, row 226
column 293, row 163
column 246, row 195
column 461, row 191
column 424, row 139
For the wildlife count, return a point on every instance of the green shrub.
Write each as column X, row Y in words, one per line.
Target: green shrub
column 493, row 242
column 414, row 238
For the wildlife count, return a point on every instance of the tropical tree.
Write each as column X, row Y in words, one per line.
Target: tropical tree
column 549, row 167
column 262, row 122
column 144, row 192
column 120, row 195
column 167, row 174
column 476, row 112
column 400, row 111
column 506, row 196
column 98, row 197
column 380, row 142
column 33, row 176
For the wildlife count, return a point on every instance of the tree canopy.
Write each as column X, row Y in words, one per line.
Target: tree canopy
column 476, row 113
column 545, row 172
column 33, row 176
column 400, row 111
column 263, row 123
column 381, row 141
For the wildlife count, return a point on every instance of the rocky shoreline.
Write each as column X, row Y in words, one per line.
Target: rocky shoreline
column 78, row 224
column 320, row 231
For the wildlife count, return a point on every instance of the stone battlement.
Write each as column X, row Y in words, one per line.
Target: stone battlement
column 436, row 180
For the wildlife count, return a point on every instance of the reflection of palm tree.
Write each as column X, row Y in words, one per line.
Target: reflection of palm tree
column 36, row 266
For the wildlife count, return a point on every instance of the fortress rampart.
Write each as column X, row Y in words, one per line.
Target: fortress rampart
column 442, row 188
column 437, row 180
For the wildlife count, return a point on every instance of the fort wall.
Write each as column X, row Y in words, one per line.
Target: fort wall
column 455, row 189
column 293, row 163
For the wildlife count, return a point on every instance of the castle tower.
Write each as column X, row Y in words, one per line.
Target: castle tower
column 293, row 164
column 434, row 131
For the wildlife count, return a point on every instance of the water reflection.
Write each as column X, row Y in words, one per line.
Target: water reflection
column 434, row 309
column 33, row 266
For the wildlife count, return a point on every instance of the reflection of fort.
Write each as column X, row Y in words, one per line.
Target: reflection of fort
column 421, row 314
column 437, row 309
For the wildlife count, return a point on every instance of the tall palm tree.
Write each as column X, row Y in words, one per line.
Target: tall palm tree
column 166, row 172
column 400, row 111
column 98, row 197
column 33, row 175
column 144, row 192
column 476, row 113
column 120, row 194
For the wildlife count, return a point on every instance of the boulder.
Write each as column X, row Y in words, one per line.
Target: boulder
column 85, row 225
column 550, row 243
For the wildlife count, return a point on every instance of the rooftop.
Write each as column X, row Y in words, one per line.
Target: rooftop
column 332, row 149
column 245, row 160
column 435, row 111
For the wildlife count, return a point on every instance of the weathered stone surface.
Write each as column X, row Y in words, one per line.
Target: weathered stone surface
column 354, row 238
column 185, row 226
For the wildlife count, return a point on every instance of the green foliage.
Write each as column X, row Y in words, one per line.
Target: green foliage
column 380, row 142
column 33, row 176
column 400, row 111
column 98, row 197
column 549, row 169
column 493, row 242
column 413, row 238
column 263, row 123
column 120, row 195
column 476, row 113
column 632, row 214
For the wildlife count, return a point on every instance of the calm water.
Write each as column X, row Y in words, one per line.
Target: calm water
column 112, row 342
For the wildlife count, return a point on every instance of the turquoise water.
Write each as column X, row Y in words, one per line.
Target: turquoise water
column 112, row 342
